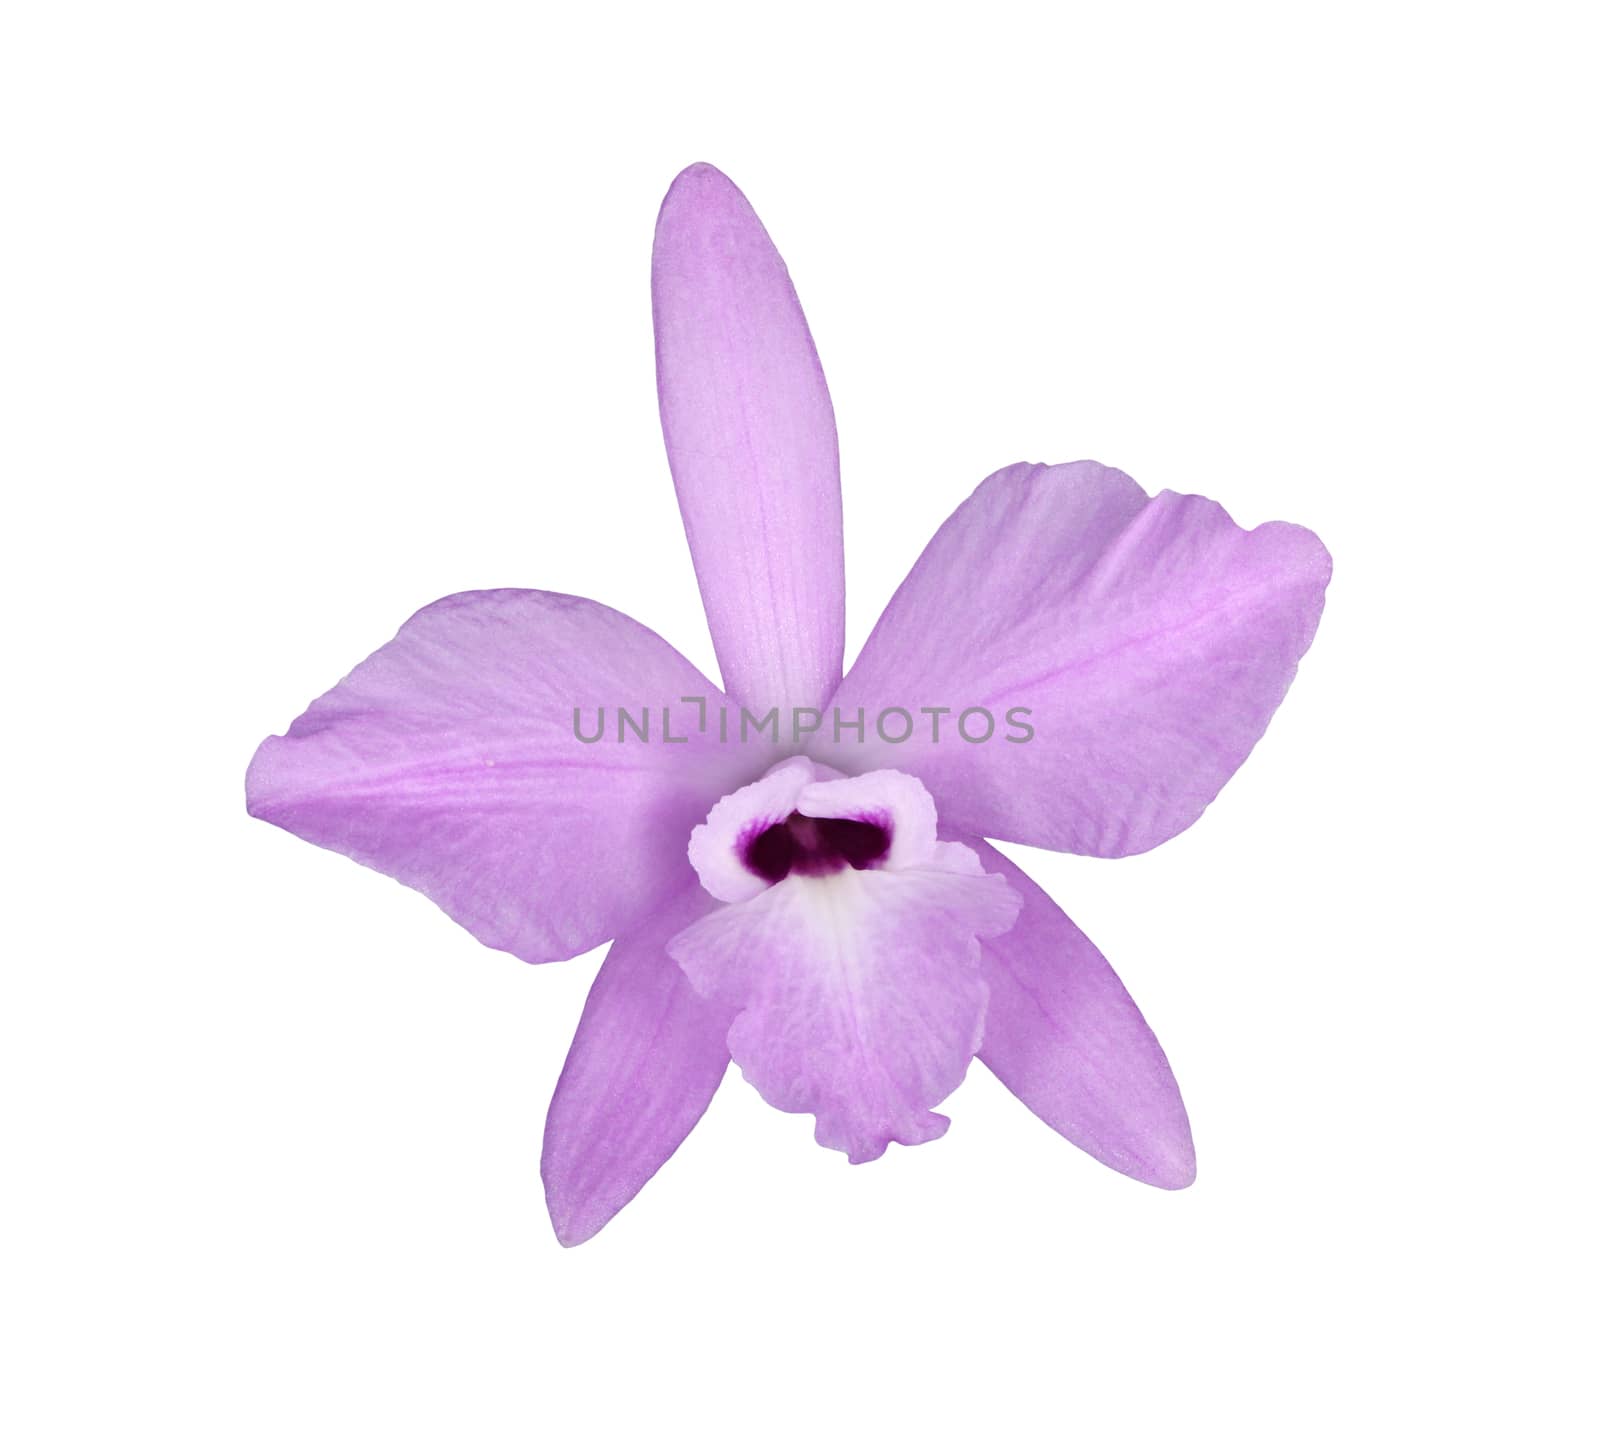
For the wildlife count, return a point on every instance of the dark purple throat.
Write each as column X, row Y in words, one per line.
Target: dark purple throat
column 807, row 846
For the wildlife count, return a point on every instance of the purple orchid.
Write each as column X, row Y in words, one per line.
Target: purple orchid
column 791, row 869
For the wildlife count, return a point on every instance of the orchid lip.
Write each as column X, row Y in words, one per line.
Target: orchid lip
column 847, row 950
column 815, row 846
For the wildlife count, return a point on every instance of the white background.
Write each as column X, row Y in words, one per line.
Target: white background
column 314, row 313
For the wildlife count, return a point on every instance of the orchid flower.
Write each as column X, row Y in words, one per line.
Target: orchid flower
column 815, row 898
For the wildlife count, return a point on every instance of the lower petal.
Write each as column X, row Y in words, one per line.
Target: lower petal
column 859, row 996
column 647, row 1058
column 1066, row 1039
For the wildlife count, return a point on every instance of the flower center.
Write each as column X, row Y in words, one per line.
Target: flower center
column 813, row 846
column 803, row 820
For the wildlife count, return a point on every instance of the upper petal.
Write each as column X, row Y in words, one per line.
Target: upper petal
column 449, row 760
column 647, row 1058
column 1129, row 651
column 1067, row 1040
column 750, row 438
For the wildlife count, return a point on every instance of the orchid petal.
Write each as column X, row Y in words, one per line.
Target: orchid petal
column 647, row 1058
column 1144, row 642
column 449, row 760
column 859, row 995
column 1066, row 1039
column 750, row 439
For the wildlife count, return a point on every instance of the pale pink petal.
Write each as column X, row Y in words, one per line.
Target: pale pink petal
column 750, row 438
column 1070, row 1044
column 1129, row 651
column 648, row 1056
column 858, row 994
column 449, row 760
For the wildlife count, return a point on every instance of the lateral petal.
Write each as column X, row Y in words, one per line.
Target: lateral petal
column 1128, row 651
